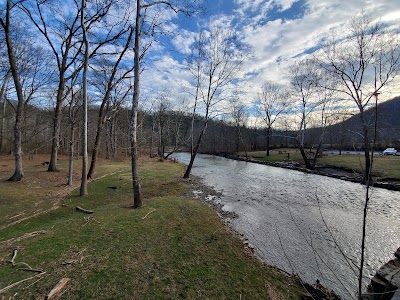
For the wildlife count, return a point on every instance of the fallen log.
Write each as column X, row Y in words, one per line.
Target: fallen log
column 58, row 287
column 86, row 211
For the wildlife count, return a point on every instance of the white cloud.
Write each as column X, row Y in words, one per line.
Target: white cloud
column 184, row 40
column 274, row 44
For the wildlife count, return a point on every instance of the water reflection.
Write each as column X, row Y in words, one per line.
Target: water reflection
column 296, row 220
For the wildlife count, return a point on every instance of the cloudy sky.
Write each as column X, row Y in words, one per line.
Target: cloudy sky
column 277, row 31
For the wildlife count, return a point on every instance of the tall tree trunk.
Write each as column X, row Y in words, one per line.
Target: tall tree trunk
column 3, row 117
column 113, row 137
column 95, row 152
column 194, row 152
column 71, row 155
column 137, row 197
column 305, row 158
column 83, row 189
column 108, row 140
column 367, row 158
column 243, row 144
column 19, row 172
column 57, row 126
column 268, row 139
column 19, row 114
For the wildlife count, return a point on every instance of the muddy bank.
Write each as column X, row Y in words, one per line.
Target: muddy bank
column 329, row 171
column 209, row 196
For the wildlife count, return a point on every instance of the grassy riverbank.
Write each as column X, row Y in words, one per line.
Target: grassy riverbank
column 174, row 247
column 384, row 167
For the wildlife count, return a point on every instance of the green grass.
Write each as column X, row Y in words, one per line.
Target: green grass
column 172, row 248
column 276, row 155
column 384, row 167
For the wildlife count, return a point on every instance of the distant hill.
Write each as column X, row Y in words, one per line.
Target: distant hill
column 388, row 125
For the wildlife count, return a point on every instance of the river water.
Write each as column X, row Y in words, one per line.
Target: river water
column 305, row 223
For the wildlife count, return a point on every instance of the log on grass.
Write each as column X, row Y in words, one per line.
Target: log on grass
column 86, row 211
column 58, row 287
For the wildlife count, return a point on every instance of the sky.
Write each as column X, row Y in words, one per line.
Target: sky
column 276, row 31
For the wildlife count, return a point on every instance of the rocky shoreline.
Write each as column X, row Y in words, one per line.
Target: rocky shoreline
column 209, row 196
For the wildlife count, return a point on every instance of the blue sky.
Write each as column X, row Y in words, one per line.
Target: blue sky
column 276, row 31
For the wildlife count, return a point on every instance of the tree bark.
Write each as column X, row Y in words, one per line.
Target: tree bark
column 83, row 189
column 71, row 155
column 194, row 153
column 19, row 172
column 3, row 117
column 100, row 125
column 305, row 158
column 268, row 140
column 367, row 158
column 57, row 126
column 137, row 197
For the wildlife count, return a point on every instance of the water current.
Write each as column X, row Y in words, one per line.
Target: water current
column 304, row 223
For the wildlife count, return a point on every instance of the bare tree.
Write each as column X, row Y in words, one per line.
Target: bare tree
column 73, row 108
column 304, row 82
column 83, row 189
column 111, row 79
column 138, row 55
column 3, row 117
column 6, row 24
column 363, row 62
column 215, row 64
column 273, row 101
column 239, row 117
column 25, row 66
column 367, row 49
column 62, row 34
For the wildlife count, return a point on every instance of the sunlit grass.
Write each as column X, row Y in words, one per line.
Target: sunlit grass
column 384, row 167
column 174, row 247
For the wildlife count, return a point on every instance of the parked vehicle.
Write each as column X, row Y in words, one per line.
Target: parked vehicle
column 389, row 151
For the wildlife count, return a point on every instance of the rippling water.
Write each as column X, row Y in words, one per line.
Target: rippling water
column 297, row 221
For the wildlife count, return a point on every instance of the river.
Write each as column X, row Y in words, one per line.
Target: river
column 298, row 221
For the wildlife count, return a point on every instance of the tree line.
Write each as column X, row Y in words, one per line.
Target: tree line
column 57, row 56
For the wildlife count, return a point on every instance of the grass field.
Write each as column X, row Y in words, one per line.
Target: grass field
column 384, row 167
column 173, row 248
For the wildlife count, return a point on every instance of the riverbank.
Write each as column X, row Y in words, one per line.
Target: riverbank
column 341, row 173
column 175, row 246
column 209, row 196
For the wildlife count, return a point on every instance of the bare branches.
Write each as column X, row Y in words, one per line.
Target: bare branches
column 3, row 290
column 215, row 64
column 167, row 3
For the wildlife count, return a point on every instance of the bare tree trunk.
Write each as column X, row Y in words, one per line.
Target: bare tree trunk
column 83, row 189
column 19, row 172
column 152, row 140
column 243, row 144
column 3, row 117
column 71, row 156
column 137, row 197
column 57, row 127
column 268, row 139
column 113, row 138
column 367, row 158
column 194, row 152
column 305, row 158
column 100, row 125
column 108, row 140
